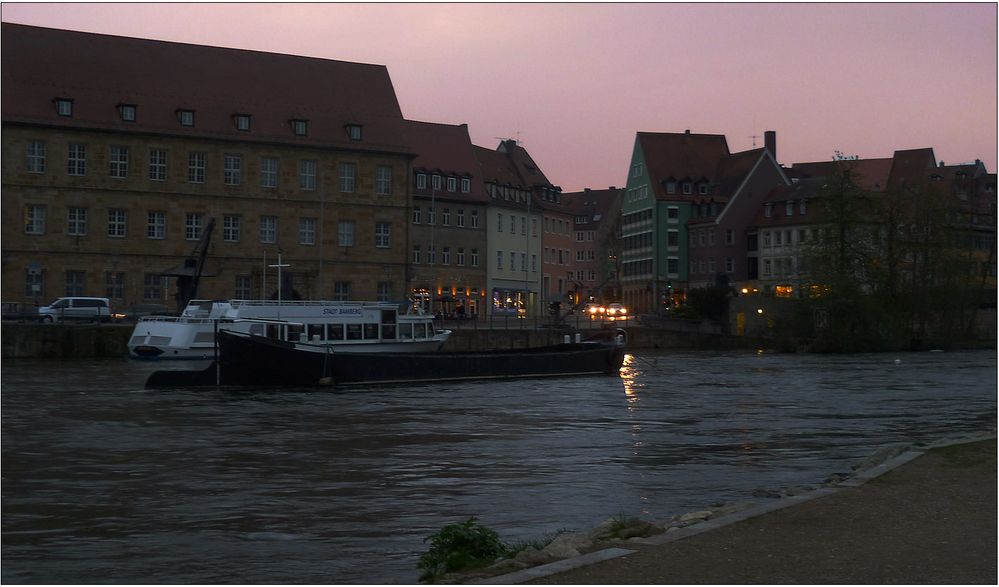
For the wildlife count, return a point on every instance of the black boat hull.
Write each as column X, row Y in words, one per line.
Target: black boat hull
column 260, row 361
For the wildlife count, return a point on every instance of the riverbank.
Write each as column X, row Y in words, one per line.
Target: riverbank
column 919, row 518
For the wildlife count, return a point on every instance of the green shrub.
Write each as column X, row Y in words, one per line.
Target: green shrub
column 458, row 547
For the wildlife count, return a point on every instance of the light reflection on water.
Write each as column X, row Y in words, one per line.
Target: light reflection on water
column 106, row 482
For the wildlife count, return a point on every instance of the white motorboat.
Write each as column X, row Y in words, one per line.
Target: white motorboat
column 349, row 327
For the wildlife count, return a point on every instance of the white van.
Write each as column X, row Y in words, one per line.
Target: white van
column 74, row 308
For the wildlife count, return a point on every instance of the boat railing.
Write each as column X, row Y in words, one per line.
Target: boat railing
column 178, row 319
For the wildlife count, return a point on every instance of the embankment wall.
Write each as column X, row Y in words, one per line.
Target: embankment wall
column 71, row 341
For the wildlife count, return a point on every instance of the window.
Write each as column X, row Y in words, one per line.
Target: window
column 307, row 174
column 416, row 254
column 431, row 254
column 300, row 127
column 499, row 259
column 76, row 161
column 76, row 222
column 466, row 185
column 523, row 225
column 268, row 172
column 114, row 284
column 766, row 239
column 383, row 234
column 446, row 217
column 475, row 257
column 421, row 181
column 729, row 236
column 354, row 132
column 230, row 228
column 686, row 187
column 789, row 208
column 729, row 265
column 64, row 107
column 534, row 227
column 513, row 260
column 348, row 177
column 232, row 173
column 33, row 282
column 383, row 180
column 446, row 256
column 672, row 214
column 461, row 218
column 703, row 189
column 384, row 291
column 116, row 223
column 127, row 112
column 534, row 263
column 307, row 231
column 416, row 214
column 435, row 181
column 186, row 117
column 461, row 256
column 452, row 184
column 523, row 261
column 345, row 233
column 499, row 222
column 802, row 207
column 670, row 187
column 192, row 226
column 341, row 291
column 152, row 287
column 36, row 157
column 268, row 229
column 196, row 167
column 244, row 287
column 242, row 122
column 768, row 210
column 75, row 282
column 673, row 238
column 431, row 219
column 767, row 267
column 156, row 224
column 475, row 218
column 157, row 164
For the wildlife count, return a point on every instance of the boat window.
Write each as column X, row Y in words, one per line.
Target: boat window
column 295, row 331
column 388, row 331
column 257, row 329
column 419, row 330
column 353, row 332
column 388, row 316
column 335, row 332
column 371, row 332
column 274, row 331
column 406, row 331
column 315, row 331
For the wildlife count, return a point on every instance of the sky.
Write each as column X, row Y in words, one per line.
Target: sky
column 575, row 82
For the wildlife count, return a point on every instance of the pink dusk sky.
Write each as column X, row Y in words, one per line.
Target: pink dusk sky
column 575, row 82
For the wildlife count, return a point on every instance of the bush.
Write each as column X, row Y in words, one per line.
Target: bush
column 458, row 547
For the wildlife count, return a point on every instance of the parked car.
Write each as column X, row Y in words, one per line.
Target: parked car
column 617, row 310
column 594, row 310
column 76, row 308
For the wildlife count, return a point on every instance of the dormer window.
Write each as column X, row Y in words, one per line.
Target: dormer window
column 421, row 181
column 802, row 207
column 127, row 112
column 703, row 189
column 186, row 117
column 789, row 208
column 242, row 122
column 466, row 185
column 768, row 210
column 300, row 127
column 354, row 132
column 64, row 106
column 670, row 187
column 687, row 187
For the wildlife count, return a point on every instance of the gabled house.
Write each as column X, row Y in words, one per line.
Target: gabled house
column 596, row 248
column 447, row 234
column 516, row 187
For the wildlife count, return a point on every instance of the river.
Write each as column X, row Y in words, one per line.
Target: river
column 105, row 482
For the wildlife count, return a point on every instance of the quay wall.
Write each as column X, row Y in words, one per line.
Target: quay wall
column 84, row 341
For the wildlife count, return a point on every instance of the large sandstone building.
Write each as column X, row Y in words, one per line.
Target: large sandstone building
column 118, row 153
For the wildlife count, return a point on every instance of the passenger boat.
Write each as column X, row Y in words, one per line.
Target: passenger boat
column 347, row 327
column 251, row 359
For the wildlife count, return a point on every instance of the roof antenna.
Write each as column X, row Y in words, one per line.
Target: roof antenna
column 754, row 137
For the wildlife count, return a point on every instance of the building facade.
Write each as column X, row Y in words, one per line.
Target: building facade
column 116, row 158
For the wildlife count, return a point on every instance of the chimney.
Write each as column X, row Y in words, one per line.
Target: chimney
column 770, row 142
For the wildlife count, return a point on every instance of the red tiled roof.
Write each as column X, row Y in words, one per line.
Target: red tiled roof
column 681, row 156
column 869, row 174
column 99, row 72
column 496, row 167
column 529, row 172
column 732, row 170
column 446, row 148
